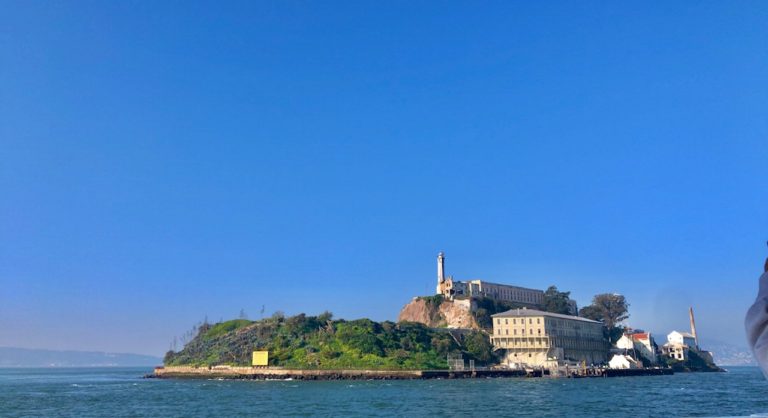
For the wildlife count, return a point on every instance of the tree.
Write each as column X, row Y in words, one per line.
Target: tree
column 591, row 312
column 324, row 317
column 556, row 301
column 609, row 308
column 478, row 345
column 487, row 307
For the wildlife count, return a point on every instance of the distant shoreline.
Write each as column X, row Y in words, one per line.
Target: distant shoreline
column 93, row 366
column 16, row 357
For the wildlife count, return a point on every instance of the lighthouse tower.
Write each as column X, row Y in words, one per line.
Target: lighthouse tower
column 440, row 272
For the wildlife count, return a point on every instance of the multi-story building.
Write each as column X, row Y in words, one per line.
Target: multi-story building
column 676, row 351
column 684, row 338
column 517, row 294
column 450, row 288
column 640, row 342
column 678, row 345
column 536, row 338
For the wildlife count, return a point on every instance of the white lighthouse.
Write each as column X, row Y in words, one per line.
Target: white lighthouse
column 440, row 272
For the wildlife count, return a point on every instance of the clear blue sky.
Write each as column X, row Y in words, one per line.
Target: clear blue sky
column 164, row 161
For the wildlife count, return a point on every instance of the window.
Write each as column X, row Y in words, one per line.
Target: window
column 530, row 320
column 506, row 321
column 507, row 331
column 538, row 320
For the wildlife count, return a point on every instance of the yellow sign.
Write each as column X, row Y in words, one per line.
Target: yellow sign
column 261, row 358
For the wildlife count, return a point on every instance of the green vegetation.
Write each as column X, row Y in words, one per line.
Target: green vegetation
column 556, row 301
column 319, row 342
column 610, row 309
column 433, row 301
column 487, row 307
column 225, row 327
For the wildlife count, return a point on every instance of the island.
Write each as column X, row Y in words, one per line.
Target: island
column 467, row 329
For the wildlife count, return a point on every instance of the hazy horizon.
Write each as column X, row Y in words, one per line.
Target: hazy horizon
column 163, row 162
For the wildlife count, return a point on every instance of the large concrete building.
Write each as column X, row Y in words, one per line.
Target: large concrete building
column 451, row 289
column 536, row 338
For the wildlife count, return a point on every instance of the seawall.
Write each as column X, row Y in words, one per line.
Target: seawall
column 273, row 373
column 256, row 373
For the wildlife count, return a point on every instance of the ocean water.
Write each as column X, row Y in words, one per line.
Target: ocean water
column 122, row 392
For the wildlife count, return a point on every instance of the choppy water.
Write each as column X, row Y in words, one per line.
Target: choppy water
column 101, row 392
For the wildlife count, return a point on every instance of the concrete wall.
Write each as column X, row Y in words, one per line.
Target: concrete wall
column 279, row 373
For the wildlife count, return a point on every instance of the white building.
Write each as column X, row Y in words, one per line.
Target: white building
column 535, row 338
column 685, row 338
column 641, row 343
column 451, row 288
column 678, row 345
column 621, row 361
column 676, row 351
column 625, row 343
column 681, row 344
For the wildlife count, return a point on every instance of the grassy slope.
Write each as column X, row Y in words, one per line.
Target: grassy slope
column 320, row 342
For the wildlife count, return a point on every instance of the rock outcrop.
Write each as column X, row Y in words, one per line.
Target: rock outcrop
column 438, row 313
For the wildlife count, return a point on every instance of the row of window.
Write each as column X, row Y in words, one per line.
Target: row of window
column 578, row 343
column 511, row 294
column 514, row 321
column 544, row 342
column 514, row 331
column 519, row 342
column 557, row 327
column 581, row 333
column 518, row 296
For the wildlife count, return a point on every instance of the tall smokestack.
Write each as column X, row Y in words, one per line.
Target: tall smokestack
column 440, row 267
column 693, row 326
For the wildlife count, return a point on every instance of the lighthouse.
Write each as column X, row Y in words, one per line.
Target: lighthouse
column 440, row 273
column 440, row 267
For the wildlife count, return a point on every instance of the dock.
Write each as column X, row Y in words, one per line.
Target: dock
column 274, row 373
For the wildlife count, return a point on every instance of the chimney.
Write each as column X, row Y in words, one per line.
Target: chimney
column 693, row 326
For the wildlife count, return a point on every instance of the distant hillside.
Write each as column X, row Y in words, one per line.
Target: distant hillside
column 729, row 354
column 26, row 357
column 319, row 342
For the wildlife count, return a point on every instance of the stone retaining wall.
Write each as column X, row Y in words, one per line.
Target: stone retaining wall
column 233, row 372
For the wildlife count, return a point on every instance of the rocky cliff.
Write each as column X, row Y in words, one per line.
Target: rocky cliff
column 435, row 312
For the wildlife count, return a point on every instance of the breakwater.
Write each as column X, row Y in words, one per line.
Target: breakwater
column 256, row 373
column 270, row 373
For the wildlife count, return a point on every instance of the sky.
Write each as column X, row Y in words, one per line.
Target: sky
column 166, row 162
